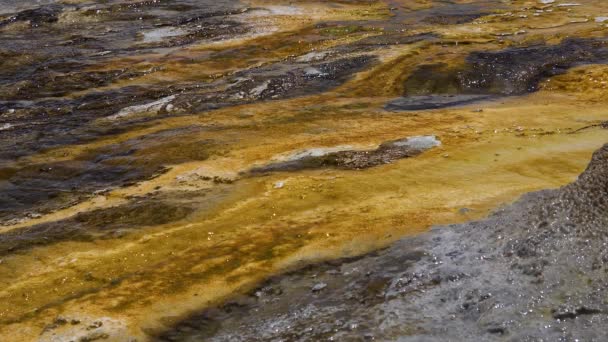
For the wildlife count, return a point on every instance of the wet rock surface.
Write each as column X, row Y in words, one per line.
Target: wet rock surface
column 513, row 71
column 278, row 81
column 534, row 270
column 386, row 153
column 519, row 70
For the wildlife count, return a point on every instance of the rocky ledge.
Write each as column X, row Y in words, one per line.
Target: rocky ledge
column 535, row 270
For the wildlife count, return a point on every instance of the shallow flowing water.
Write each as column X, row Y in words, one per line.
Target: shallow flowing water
column 157, row 157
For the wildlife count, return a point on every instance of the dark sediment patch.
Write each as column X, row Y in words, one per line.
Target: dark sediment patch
column 51, row 83
column 445, row 13
column 534, row 270
column 35, row 126
column 36, row 16
column 38, row 189
column 41, row 188
column 110, row 223
column 435, row 79
column 154, row 209
column 421, row 102
column 519, row 70
column 390, row 38
column 514, row 71
column 386, row 153
column 454, row 18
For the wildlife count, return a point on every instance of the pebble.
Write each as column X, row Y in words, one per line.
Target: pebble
column 102, row 53
column 5, row 126
column 464, row 211
column 318, row 287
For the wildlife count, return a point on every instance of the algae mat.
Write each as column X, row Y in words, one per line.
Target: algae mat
column 157, row 157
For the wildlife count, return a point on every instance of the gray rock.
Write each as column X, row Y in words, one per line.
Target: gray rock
column 318, row 287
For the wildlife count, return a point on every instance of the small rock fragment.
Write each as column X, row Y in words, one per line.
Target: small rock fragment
column 318, row 287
